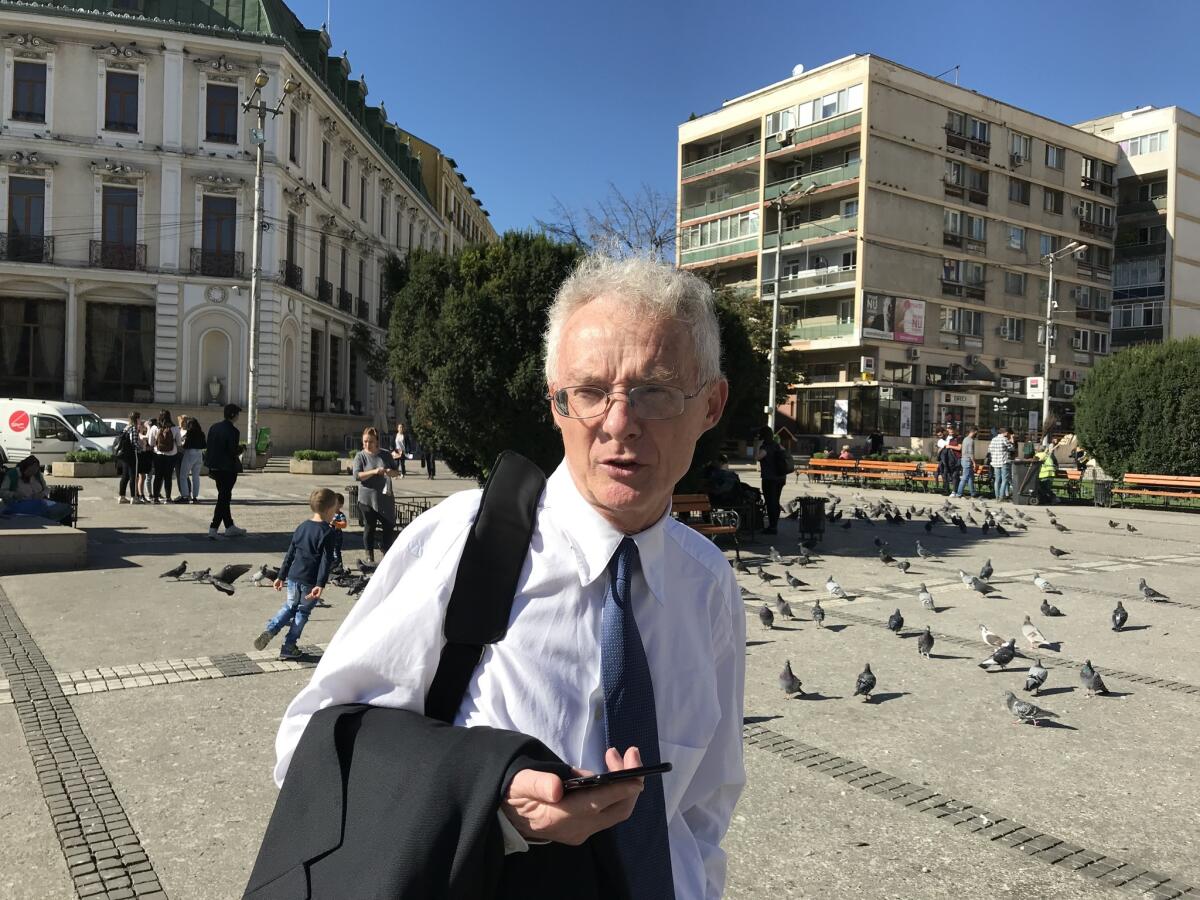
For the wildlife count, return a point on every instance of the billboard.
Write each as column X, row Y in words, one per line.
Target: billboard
column 894, row 318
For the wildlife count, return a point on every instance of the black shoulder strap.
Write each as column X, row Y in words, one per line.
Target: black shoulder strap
column 486, row 581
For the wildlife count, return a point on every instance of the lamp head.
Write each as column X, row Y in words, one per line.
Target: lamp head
column 261, row 79
column 291, row 85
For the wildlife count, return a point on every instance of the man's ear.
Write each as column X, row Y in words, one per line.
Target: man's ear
column 717, row 398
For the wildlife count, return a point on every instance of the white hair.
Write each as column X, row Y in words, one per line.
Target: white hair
column 647, row 288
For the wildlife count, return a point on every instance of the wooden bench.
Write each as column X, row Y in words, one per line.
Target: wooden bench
column 1168, row 487
column 910, row 474
column 696, row 511
column 828, row 468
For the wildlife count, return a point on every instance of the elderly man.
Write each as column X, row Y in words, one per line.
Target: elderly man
column 613, row 591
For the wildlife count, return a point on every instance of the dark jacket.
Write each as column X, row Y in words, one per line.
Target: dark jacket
column 223, row 439
column 770, row 467
column 386, row 803
column 309, row 556
column 193, row 439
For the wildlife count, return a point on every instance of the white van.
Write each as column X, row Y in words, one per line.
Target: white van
column 50, row 429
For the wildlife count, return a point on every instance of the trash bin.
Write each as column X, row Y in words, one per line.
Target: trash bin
column 352, row 511
column 1102, row 492
column 811, row 517
column 1025, row 481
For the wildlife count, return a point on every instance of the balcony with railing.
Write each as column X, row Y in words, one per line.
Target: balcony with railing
column 718, row 251
column 115, row 255
column 383, row 316
column 812, row 331
column 964, row 289
column 325, row 291
column 967, row 144
column 1086, row 226
column 363, row 310
column 217, row 263
column 345, row 300
column 833, row 226
column 1142, row 207
column 26, row 248
column 814, row 281
column 293, row 276
column 824, row 178
column 712, row 208
column 732, row 157
column 808, row 133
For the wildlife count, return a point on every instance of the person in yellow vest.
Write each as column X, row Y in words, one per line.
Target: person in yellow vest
column 1046, row 473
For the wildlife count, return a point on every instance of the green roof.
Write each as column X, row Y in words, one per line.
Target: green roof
column 261, row 21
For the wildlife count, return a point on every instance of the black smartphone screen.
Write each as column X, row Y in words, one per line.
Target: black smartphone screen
column 587, row 781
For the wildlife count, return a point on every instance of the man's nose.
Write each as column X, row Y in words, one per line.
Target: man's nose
column 621, row 420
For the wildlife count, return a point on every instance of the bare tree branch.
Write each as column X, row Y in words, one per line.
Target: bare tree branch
column 620, row 224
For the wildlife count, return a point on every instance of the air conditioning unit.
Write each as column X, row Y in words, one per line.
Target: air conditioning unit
column 783, row 138
column 1001, row 362
column 972, row 359
column 1074, row 293
column 1078, row 211
column 1068, row 390
column 913, row 353
column 1071, row 375
column 1015, row 159
column 1002, row 330
column 1039, row 369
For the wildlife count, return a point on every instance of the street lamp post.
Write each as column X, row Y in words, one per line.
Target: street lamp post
column 258, row 137
column 779, row 203
column 1049, row 260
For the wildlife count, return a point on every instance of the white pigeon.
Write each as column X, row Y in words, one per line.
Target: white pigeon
column 926, row 598
column 835, row 589
column 775, row 555
column 1032, row 634
column 1045, row 585
column 964, row 577
column 992, row 640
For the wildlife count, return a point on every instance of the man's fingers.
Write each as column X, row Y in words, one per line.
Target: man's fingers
column 612, row 759
column 544, row 787
column 633, row 758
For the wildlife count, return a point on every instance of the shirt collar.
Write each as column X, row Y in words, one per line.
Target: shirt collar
column 594, row 540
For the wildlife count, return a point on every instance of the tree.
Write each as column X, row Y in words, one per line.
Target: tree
column 619, row 225
column 1139, row 410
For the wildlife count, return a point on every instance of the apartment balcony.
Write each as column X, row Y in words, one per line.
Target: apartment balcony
column 957, row 191
column 363, row 310
column 345, row 300
column 967, row 144
column 1105, row 232
column 26, row 248
column 962, row 242
column 1093, row 270
column 217, row 263
column 834, row 225
column 722, row 160
column 808, row 133
column 823, row 178
column 733, row 201
column 814, row 281
column 1148, row 291
column 718, row 251
column 114, row 255
column 1129, row 244
column 963, row 290
column 293, row 276
column 818, row 332
column 325, row 291
column 1142, row 207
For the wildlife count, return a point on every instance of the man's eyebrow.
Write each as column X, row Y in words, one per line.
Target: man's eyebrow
column 658, row 374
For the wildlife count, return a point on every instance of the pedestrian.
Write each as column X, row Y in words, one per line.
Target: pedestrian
column 949, row 457
column 429, row 457
column 164, row 440
column 967, row 463
column 126, row 452
column 24, row 492
column 772, row 474
column 875, row 442
column 305, row 569
column 338, row 523
column 224, row 463
column 1046, row 473
column 626, row 642
column 845, row 454
column 1000, row 454
column 375, row 498
column 194, row 444
column 145, row 462
column 403, row 447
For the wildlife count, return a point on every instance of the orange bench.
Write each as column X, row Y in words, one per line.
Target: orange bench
column 1181, row 487
column 818, row 468
column 695, row 511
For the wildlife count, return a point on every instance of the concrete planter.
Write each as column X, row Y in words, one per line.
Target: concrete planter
column 313, row 466
column 84, row 470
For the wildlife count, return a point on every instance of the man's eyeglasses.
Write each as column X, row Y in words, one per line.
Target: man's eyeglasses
column 646, row 401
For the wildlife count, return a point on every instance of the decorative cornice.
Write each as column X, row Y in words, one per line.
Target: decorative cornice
column 327, row 220
column 117, row 169
column 220, row 183
column 349, row 149
column 128, row 53
column 28, row 163
column 329, row 126
column 295, row 198
column 220, row 65
column 30, row 46
column 385, row 185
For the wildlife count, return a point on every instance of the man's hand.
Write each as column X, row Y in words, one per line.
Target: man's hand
column 279, row 584
column 315, row 593
column 540, row 810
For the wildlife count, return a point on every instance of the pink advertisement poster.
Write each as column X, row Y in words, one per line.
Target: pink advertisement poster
column 909, row 320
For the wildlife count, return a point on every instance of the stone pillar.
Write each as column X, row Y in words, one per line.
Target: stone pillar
column 170, row 234
column 73, row 383
column 173, row 96
column 325, row 364
column 167, row 353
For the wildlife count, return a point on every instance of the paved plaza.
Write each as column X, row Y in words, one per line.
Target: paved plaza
column 137, row 722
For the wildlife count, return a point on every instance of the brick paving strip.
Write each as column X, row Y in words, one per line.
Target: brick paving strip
column 1105, row 870
column 104, row 856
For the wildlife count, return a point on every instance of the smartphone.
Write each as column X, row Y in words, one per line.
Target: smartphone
column 587, row 781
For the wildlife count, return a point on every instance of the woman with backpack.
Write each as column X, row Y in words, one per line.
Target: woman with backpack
column 145, row 462
column 194, row 445
column 164, row 440
column 126, row 452
column 773, row 468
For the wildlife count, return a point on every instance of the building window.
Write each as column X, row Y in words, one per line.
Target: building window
column 1052, row 201
column 1012, row 329
column 118, row 224
column 1099, row 342
column 29, row 91
column 362, row 197
column 961, row 321
column 954, row 173
column 1018, row 191
column 1049, row 243
column 952, row 270
column 716, row 231
column 121, row 102
column 1055, row 157
column 119, row 364
column 335, row 370
column 290, row 251
column 362, row 279
column 1138, row 315
column 344, row 268
column 32, row 346
column 1016, row 237
column 1014, row 283
column 1153, row 234
column 218, row 236
column 293, row 136
column 26, row 220
column 345, row 182
column 1044, row 288
column 383, row 216
column 1152, row 191
column 1020, row 147
column 1145, row 143
column 323, row 258
column 325, row 164
column 221, row 114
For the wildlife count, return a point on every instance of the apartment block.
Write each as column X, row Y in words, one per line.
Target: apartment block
column 1156, row 276
column 903, row 221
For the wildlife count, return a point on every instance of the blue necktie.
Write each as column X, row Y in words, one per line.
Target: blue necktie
column 629, row 721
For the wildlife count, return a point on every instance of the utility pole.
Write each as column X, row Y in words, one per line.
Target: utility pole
column 1050, row 259
column 779, row 203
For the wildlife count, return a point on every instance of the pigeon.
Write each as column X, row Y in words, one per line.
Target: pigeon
column 175, row 572
column 1001, row 530
column 774, row 555
column 926, row 598
column 1032, row 634
column 223, row 586
column 925, row 554
column 835, row 589
column 1054, row 551
column 1090, row 679
column 904, row 566
column 1003, row 655
column 1130, row 528
column 793, row 582
column 264, row 576
column 987, row 524
column 989, row 637
column 1036, row 678
column 1150, row 594
column 818, row 612
column 1112, row 524
column 1048, row 610
column 865, row 683
column 925, row 643
column 783, row 607
column 1046, row 586
column 740, row 566
column 895, row 622
column 368, row 568
column 1026, row 712
column 982, row 587
column 1119, row 617
column 1058, row 526
column 201, row 575
column 231, row 573
column 964, row 577
column 357, row 586
column 986, row 571
column 766, row 577
column 766, row 617
column 886, row 558
column 788, row 681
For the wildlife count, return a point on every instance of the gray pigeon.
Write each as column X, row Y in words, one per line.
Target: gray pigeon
column 222, row 586
column 232, row 572
column 818, row 612
column 1026, row 712
column 925, row 554
column 886, row 558
column 1130, row 528
column 986, row 572
column 1090, row 679
column 788, row 681
column 964, row 577
column 783, row 607
column 175, row 572
column 740, row 566
column 1003, row 655
column 835, row 589
column 895, row 622
column 904, row 566
column 1036, row 678
column 201, row 575
column 1045, row 585
column 926, row 598
column 925, row 642
column 1048, row 610
column 982, row 587
column 1119, row 617
column 1058, row 526
column 793, row 582
column 1056, row 552
column 865, row 683
column 766, row 617
column 1150, row 593
column 765, row 576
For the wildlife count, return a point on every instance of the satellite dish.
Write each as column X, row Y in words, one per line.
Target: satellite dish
column 257, row 137
column 797, row 69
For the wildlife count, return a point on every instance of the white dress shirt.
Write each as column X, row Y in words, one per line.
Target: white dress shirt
column 543, row 679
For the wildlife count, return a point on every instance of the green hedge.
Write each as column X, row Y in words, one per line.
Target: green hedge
column 316, row 455
column 89, row 456
column 820, row 454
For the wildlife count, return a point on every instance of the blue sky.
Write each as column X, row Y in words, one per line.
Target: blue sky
column 537, row 99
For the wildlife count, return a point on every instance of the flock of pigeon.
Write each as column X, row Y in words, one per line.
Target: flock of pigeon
column 1002, row 652
column 264, row 576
